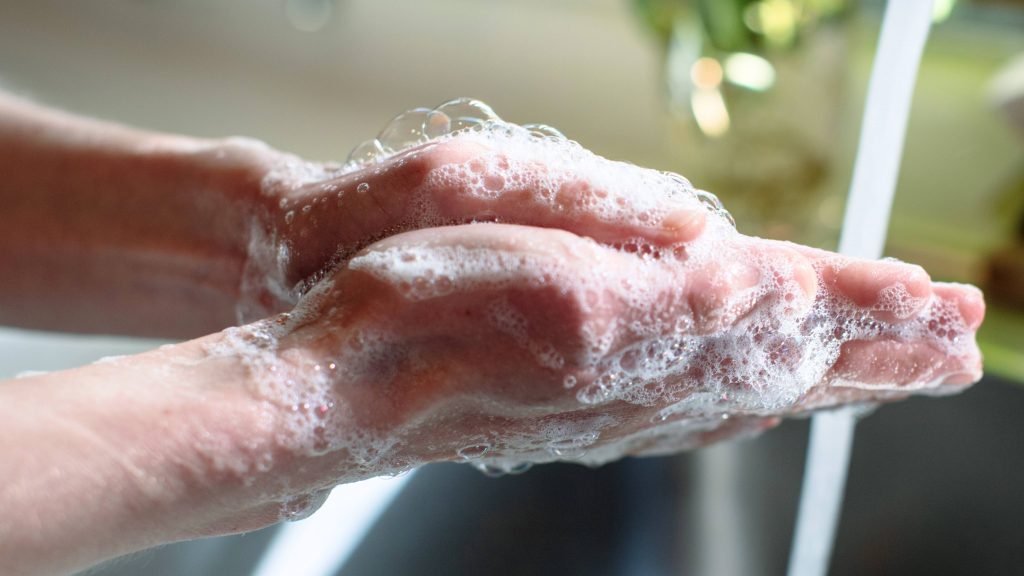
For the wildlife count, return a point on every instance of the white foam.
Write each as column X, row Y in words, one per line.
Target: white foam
column 562, row 178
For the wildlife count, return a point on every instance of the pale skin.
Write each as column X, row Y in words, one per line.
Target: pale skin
column 114, row 230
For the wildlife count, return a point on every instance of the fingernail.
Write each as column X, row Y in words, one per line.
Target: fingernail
column 972, row 306
column 684, row 225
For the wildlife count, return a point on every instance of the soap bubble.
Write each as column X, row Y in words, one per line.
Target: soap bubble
column 543, row 131
column 467, row 109
column 436, row 124
column 404, row 131
column 367, row 152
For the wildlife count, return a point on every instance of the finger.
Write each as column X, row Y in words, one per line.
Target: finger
column 933, row 352
column 460, row 180
column 514, row 305
column 878, row 372
column 482, row 255
column 609, row 201
column 895, row 365
column 891, row 291
column 969, row 301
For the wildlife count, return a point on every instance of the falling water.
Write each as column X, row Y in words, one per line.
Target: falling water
column 904, row 32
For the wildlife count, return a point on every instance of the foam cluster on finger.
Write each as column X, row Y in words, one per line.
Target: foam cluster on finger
column 554, row 181
column 558, row 180
column 557, row 174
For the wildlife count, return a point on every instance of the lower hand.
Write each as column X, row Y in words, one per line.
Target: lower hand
column 508, row 344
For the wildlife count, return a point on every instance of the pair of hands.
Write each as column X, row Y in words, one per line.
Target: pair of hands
column 562, row 330
column 600, row 311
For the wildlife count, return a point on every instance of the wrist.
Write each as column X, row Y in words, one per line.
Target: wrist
column 245, row 187
column 335, row 419
column 264, row 189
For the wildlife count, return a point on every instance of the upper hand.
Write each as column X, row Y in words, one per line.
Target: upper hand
column 316, row 223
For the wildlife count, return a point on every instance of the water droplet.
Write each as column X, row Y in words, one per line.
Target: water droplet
column 569, row 381
column 474, row 451
column 404, row 131
column 307, row 208
column 289, row 217
column 363, row 188
column 303, row 506
column 519, row 468
column 489, row 470
column 572, row 448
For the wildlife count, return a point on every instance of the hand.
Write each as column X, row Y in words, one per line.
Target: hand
column 509, row 344
column 317, row 215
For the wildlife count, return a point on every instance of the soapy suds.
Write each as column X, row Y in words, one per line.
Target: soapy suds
column 747, row 344
column 560, row 177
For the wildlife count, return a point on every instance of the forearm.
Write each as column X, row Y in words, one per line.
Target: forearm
column 115, row 457
column 117, row 230
column 196, row 439
column 123, row 455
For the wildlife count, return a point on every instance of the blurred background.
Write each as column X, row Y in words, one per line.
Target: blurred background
column 758, row 101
